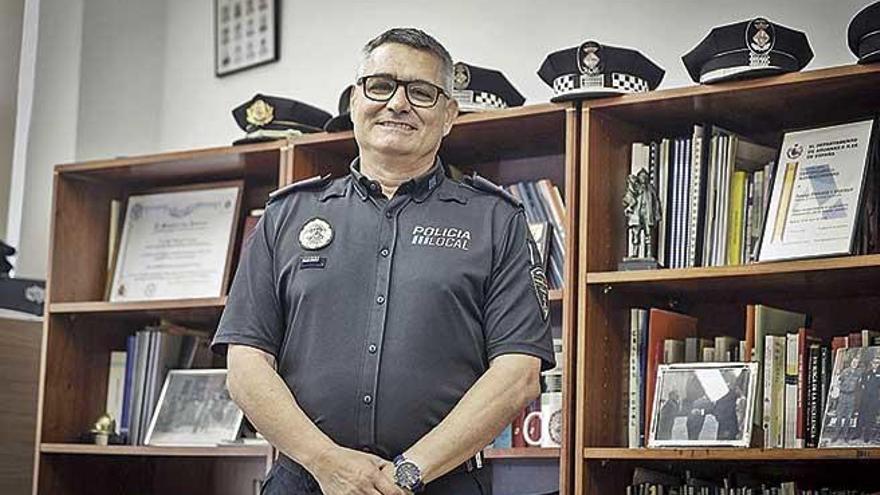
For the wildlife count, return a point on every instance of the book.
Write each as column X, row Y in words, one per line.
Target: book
column 662, row 325
column 763, row 320
column 773, row 411
column 116, row 386
column 673, row 351
column 724, row 348
column 636, row 381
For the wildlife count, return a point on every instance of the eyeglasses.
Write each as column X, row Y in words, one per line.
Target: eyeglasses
column 420, row 94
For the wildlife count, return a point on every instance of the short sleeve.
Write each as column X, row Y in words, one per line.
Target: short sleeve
column 252, row 315
column 517, row 312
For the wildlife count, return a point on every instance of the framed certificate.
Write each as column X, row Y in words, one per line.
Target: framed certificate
column 817, row 190
column 176, row 244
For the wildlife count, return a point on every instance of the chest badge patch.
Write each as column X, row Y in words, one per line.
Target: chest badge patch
column 315, row 234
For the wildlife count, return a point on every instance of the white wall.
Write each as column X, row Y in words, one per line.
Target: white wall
column 53, row 125
column 127, row 99
column 121, row 77
column 11, row 12
column 320, row 43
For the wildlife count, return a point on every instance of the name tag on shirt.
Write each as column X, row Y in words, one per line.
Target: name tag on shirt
column 312, row 262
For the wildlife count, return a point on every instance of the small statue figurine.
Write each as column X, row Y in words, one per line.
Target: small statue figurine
column 105, row 427
column 641, row 206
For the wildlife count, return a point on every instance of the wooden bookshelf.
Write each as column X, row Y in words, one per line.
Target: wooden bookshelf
column 81, row 328
column 505, row 146
column 840, row 293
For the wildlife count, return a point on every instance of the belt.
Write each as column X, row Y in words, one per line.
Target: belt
column 470, row 465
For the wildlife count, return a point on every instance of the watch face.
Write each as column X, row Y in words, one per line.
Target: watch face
column 407, row 475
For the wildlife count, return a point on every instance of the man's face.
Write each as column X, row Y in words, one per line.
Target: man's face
column 395, row 127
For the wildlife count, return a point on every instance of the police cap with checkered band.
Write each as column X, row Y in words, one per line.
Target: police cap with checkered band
column 265, row 118
column 747, row 49
column 863, row 35
column 593, row 70
column 478, row 89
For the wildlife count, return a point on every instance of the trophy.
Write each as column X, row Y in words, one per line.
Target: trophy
column 641, row 207
column 104, row 430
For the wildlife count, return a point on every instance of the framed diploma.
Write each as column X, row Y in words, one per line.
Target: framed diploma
column 817, row 190
column 176, row 244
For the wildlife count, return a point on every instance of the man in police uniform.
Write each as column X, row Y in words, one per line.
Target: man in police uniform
column 385, row 326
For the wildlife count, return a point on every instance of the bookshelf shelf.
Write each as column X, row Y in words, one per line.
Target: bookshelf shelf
column 216, row 303
column 128, row 450
column 522, row 453
column 844, row 274
column 624, row 454
column 260, row 160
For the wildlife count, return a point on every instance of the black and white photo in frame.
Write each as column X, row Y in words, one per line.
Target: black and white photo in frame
column 194, row 409
column 853, row 404
column 246, row 34
column 703, row 404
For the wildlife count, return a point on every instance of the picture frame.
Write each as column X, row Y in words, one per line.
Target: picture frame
column 246, row 34
column 852, row 409
column 194, row 410
column 703, row 405
column 816, row 192
column 177, row 242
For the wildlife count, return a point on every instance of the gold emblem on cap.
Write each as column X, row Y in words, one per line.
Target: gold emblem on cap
column 260, row 113
column 315, row 234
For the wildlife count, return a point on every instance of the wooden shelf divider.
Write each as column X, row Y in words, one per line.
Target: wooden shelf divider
column 522, row 453
column 730, row 454
column 136, row 306
column 130, row 450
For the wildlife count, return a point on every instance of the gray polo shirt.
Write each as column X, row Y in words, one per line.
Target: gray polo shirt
column 381, row 312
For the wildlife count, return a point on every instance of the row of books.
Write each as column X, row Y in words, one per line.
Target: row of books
column 713, row 189
column 800, row 399
column 808, row 402
column 665, row 337
column 545, row 213
column 137, row 374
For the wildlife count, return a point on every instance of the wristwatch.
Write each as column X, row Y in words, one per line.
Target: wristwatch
column 408, row 474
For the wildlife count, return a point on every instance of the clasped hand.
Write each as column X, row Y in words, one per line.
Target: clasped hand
column 342, row 471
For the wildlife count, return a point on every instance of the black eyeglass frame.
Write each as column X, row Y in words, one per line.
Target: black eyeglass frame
column 397, row 83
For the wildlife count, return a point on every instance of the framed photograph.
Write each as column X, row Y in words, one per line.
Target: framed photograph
column 703, row 404
column 246, row 34
column 853, row 406
column 816, row 192
column 194, row 409
column 177, row 243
